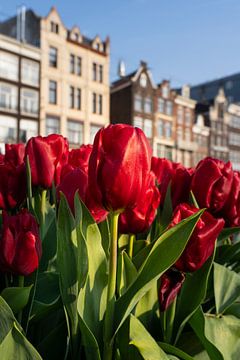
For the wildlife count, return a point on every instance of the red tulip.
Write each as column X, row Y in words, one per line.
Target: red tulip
column 202, row 241
column 139, row 219
column 47, row 156
column 231, row 209
column 20, row 244
column 77, row 180
column 171, row 283
column 14, row 154
column 211, row 183
column 77, row 158
column 118, row 166
column 167, row 171
column 12, row 185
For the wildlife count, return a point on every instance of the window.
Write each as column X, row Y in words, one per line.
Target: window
column 221, row 110
column 29, row 101
column 148, row 128
column 179, row 134
column 8, row 129
column 71, row 97
column 100, row 104
column 138, row 103
column 28, row 129
column 160, row 128
column 169, row 108
column 235, row 121
column 100, row 73
column 8, row 97
column 168, row 152
column 8, row 66
column 75, row 65
column 165, row 91
column 148, row 105
column 79, row 99
column 187, row 135
column 74, row 98
column 188, row 118
column 52, row 125
column 52, row 92
column 54, row 27
column 180, row 114
column 138, row 122
column 53, row 56
column 75, row 132
column 93, row 130
column 161, row 103
column 187, row 159
column 94, row 72
column 79, row 66
column 30, row 72
column 94, row 103
column 72, row 63
column 168, row 130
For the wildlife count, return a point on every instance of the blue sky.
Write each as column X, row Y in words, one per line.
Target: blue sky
column 185, row 41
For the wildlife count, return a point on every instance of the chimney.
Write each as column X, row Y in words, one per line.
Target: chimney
column 121, row 69
column 21, row 23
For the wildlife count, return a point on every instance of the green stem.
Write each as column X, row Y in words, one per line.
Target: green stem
column 170, row 320
column 112, row 275
column 29, row 184
column 6, row 280
column 132, row 238
column 43, row 208
column 20, row 284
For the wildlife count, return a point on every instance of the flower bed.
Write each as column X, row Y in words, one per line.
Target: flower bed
column 109, row 253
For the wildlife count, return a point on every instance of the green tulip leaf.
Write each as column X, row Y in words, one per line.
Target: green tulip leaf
column 164, row 253
column 220, row 335
column 141, row 256
column 126, row 272
column 144, row 342
column 172, row 350
column 92, row 296
column 13, row 344
column 167, row 211
column 81, row 241
column 197, row 322
column 105, row 235
column 67, row 262
column 225, row 295
column 191, row 296
column 147, row 309
column 228, row 254
column 226, row 232
column 16, row 297
column 234, row 310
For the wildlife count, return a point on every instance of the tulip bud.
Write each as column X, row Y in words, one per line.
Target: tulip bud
column 47, row 156
column 77, row 181
column 211, row 183
column 14, row 154
column 139, row 219
column 231, row 210
column 77, row 159
column 202, row 241
column 118, row 166
column 171, row 283
column 167, row 171
column 20, row 244
column 12, row 185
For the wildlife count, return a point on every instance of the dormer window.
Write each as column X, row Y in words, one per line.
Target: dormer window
column 54, row 27
column 143, row 80
column 165, row 91
column 76, row 36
